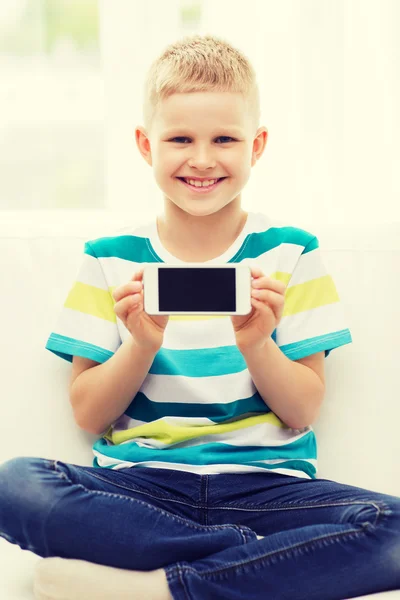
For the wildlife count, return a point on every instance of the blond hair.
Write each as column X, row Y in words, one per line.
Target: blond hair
column 200, row 64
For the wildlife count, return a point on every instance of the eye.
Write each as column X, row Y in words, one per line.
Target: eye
column 226, row 137
column 178, row 138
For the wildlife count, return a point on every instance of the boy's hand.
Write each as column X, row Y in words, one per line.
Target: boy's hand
column 253, row 330
column 146, row 330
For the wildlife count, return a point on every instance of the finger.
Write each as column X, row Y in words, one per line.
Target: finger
column 274, row 299
column 122, row 307
column 264, row 306
column 132, row 287
column 256, row 272
column 269, row 283
column 138, row 275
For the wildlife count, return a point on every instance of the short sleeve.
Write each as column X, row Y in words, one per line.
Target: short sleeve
column 313, row 318
column 87, row 324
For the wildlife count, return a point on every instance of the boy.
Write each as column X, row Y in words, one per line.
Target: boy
column 204, row 482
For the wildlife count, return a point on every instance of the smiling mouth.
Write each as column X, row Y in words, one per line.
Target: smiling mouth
column 200, row 188
column 211, row 178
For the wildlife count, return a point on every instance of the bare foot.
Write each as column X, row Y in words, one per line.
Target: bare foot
column 69, row 579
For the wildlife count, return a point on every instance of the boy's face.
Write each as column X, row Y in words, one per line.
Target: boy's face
column 207, row 135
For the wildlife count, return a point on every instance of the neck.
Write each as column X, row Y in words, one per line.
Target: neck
column 196, row 233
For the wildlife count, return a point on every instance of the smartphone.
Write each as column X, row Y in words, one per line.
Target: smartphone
column 195, row 289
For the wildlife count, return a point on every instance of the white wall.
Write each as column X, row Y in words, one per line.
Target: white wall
column 133, row 34
column 330, row 90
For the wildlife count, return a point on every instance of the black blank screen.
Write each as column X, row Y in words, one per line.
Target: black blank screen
column 200, row 289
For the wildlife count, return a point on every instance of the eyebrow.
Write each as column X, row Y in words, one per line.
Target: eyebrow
column 231, row 129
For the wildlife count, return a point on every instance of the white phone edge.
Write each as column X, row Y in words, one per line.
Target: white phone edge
column 243, row 296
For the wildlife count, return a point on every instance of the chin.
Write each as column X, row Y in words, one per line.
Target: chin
column 205, row 211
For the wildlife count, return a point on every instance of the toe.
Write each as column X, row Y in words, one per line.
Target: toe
column 47, row 578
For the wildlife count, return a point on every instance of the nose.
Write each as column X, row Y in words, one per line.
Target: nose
column 202, row 160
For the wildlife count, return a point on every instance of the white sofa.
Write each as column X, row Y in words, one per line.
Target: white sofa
column 358, row 428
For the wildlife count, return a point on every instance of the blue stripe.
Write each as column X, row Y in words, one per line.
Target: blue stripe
column 203, row 362
column 225, row 360
column 143, row 409
column 200, row 362
column 137, row 249
column 213, row 453
column 66, row 347
column 256, row 244
column 316, row 344
column 297, row 465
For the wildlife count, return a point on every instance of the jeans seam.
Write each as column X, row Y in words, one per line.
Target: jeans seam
column 51, row 464
column 246, row 533
column 180, row 573
column 181, row 520
column 230, row 566
column 174, row 572
column 145, row 493
column 206, row 500
column 311, row 505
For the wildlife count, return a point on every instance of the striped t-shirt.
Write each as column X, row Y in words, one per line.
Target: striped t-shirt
column 198, row 409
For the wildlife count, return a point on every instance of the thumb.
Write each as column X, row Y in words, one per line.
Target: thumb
column 138, row 275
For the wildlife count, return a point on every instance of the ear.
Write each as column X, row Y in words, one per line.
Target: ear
column 143, row 143
column 259, row 143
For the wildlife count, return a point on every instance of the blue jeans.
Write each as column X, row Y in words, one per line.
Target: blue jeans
column 322, row 540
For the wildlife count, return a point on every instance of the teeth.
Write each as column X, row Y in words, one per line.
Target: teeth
column 198, row 183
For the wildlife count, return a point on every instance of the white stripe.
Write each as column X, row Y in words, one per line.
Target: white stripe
column 91, row 273
column 104, row 461
column 282, row 259
column 87, row 328
column 199, row 390
column 199, row 333
column 119, row 271
column 125, row 422
column 322, row 320
column 309, row 266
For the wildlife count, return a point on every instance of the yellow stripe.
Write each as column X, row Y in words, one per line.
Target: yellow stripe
column 281, row 276
column 91, row 300
column 311, row 294
column 298, row 298
column 173, row 434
